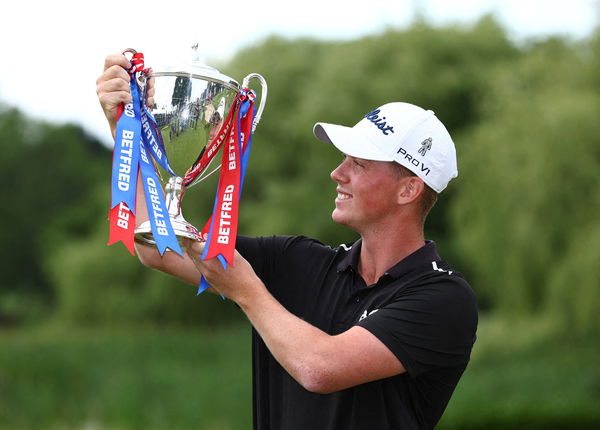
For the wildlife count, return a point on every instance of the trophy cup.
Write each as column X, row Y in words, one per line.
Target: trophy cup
column 191, row 105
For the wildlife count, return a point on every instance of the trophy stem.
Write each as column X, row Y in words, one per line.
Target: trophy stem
column 182, row 228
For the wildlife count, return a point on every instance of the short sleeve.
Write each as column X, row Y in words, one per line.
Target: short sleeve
column 269, row 255
column 428, row 326
column 260, row 251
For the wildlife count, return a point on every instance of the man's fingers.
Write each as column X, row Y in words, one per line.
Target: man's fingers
column 112, row 88
column 109, row 101
column 114, row 72
column 111, row 93
column 111, row 85
column 150, row 91
column 116, row 60
column 197, row 247
column 150, row 88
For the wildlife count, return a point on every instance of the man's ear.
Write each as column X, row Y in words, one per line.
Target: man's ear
column 411, row 188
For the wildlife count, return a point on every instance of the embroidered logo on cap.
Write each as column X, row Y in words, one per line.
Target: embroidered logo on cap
column 381, row 124
column 425, row 146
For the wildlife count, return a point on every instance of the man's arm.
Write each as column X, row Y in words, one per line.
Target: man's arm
column 320, row 362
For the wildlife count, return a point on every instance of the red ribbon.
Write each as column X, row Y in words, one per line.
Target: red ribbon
column 225, row 215
column 122, row 226
column 222, row 227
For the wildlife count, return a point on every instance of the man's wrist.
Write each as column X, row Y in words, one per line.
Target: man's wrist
column 252, row 292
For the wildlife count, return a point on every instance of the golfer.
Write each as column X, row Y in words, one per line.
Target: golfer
column 369, row 335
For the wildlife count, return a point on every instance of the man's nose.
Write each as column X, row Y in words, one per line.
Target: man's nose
column 338, row 174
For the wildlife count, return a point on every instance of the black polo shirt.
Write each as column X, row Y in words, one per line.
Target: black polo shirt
column 421, row 309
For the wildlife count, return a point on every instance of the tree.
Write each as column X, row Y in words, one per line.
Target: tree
column 525, row 210
column 51, row 171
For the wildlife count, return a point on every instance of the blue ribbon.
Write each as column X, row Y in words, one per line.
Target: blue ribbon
column 162, row 230
column 136, row 133
column 153, row 140
column 125, row 168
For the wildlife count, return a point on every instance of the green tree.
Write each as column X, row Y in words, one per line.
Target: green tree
column 524, row 213
column 98, row 284
column 49, row 174
column 519, row 221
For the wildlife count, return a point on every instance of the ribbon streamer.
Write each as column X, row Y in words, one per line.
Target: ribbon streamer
column 136, row 136
column 138, row 141
column 124, row 173
column 222, row 226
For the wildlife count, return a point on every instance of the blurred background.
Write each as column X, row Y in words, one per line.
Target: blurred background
column 90, row 339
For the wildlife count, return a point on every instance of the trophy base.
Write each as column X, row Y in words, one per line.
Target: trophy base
column 183, row 230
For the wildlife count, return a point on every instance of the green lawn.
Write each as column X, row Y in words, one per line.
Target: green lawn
column 521, row 377
column 125, row 379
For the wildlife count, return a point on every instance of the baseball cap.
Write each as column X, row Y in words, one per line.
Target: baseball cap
column 400, row 132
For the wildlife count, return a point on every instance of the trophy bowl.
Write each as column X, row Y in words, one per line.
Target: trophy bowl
column 190, row 105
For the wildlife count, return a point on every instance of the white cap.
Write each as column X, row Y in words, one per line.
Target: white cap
column 400, row 132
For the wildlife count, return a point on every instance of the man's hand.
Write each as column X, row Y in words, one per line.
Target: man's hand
column 112, row 88
column 234, row 282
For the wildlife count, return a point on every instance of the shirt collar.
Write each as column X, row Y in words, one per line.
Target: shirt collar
column 350, row 254
column 424, row 255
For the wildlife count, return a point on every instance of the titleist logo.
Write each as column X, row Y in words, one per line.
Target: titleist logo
column 381, row 124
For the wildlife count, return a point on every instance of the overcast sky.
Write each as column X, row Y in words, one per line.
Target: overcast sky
column 53, row 51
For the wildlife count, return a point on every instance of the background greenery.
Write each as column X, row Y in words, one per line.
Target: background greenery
column 91, row 339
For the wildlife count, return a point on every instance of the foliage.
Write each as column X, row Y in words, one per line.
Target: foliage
column 520, row 221
column 100, row 284
column 336, row 82
column 523, row 214
column 53, row 172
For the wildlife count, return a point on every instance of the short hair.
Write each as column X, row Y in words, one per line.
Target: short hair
column 428, row 197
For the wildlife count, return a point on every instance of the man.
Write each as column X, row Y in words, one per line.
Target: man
column 372, row 335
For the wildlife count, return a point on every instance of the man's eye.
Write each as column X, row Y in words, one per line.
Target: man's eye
column 357, row 163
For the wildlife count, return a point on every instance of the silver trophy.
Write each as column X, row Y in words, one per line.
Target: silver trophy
column 190, row 105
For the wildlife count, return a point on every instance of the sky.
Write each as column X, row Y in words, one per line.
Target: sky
column 53, row 51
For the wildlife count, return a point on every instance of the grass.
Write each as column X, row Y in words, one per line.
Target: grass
column 521, row 377
column 125, row 379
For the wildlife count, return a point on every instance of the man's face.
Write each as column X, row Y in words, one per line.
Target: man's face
column 367, row 192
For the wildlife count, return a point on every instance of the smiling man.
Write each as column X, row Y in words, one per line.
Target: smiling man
column 369, row 335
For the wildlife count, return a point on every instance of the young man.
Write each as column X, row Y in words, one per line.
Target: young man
column 371, row 335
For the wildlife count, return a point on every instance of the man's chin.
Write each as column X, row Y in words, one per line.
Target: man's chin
column 339, row 218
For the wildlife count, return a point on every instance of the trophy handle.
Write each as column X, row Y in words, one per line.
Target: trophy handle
column 263, row 96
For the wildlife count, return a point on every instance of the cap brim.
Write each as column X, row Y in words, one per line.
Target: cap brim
column 350, row 141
